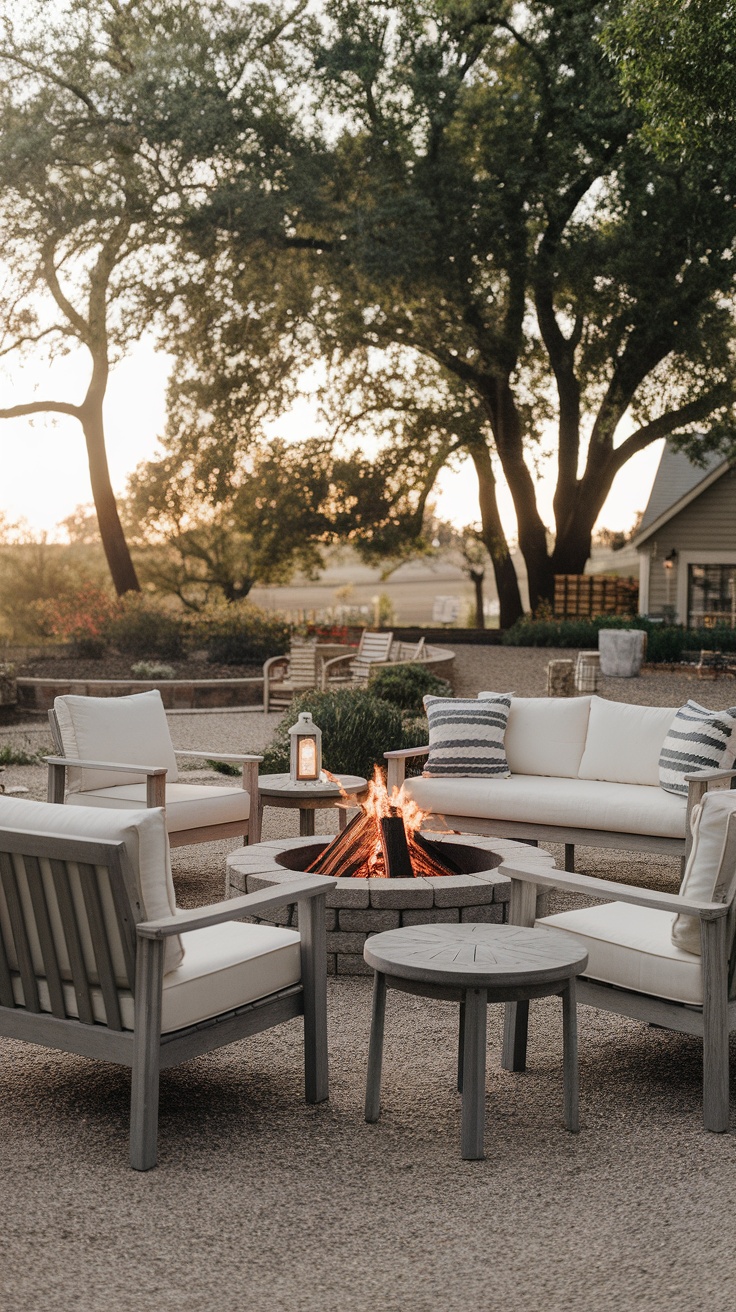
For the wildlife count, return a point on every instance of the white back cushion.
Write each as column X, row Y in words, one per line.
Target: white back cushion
column 146, row 843
column 706, row 877
column 624, row 742
column 546, row 735
column 131, row 730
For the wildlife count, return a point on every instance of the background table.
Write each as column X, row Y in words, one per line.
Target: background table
column 279, row 790
column 475, row 965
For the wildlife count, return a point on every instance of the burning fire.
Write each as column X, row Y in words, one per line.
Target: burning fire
column 383, row 841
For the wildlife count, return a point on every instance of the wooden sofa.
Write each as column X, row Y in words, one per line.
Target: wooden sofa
column 583, row 771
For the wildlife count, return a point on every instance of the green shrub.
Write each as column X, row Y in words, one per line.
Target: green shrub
column 241, row 634
column 405, row 686
column 665, row 642
column 152, row 670
column 17, row 756
column 144, row 629
column 357, row 728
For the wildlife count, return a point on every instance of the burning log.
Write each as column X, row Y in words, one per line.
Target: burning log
column 395, row 847
column 426, row 859
column 383, row 842
column 349, row 851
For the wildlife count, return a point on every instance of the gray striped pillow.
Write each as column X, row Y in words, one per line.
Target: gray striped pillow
column 466, row 736
column 697, row 739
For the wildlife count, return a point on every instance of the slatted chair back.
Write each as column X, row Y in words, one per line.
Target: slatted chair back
column 68, row 912
column 302, row 664
column 374, row 646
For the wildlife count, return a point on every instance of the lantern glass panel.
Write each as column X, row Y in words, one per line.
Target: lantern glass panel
column 306, row 767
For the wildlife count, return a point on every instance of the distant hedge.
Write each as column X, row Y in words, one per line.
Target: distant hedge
column 665, row 643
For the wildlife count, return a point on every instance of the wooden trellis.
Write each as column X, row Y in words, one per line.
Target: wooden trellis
column 580, row 596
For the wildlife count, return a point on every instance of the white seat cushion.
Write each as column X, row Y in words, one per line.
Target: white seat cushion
column 225, row 966
column 144, row 835
column 188, row 806
column 546, row 735
column 624, row 742
column 128, row 730
column 632, row 947
column 574, row 803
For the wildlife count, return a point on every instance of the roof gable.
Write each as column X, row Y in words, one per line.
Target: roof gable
column 677, row 482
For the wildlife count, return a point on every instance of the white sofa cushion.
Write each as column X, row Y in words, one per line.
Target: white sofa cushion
column 698, row 739
column 705, row 878
column 466, row 736
column 624, row 742
column 632, row 947
column 144, row 834
column 546, row 735
column 574, row 803
column 225, row 967
column 188, row 806
column 127, row 730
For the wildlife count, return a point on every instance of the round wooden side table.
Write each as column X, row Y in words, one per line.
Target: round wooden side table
column 475, row 965
column 281, row 791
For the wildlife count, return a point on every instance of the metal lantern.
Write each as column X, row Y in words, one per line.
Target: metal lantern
column 306, row 750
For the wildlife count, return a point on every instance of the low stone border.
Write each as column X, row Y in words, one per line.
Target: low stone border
column 177, row 694
column 357, row 908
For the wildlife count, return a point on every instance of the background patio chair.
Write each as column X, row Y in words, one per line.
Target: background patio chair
column 638, row 965
column 95, row 958
column 286, row 676
column 353, row 669
column 117, row 752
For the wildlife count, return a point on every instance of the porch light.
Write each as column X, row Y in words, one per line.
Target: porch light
column 306, row 750
column 670, row 561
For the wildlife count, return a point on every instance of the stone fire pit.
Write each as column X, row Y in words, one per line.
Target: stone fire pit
column 359, row 907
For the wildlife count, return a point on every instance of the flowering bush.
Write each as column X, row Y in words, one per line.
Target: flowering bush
column 80, row 617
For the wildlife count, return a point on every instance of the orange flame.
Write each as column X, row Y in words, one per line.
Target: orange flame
column 376, row 806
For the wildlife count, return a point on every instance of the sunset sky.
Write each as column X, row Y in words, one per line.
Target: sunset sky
column 44, row 468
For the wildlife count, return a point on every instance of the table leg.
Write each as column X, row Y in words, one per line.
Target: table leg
column 570, row 1056
column 375, row 1050
column 461, row 1048
column 342, row 818
column 515, row 1029
column 474, row 1075
column 306, row 822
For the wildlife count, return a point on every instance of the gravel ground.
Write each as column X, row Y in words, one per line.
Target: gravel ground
column 265, row 1204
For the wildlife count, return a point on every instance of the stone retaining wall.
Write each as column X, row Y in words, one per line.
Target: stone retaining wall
column 357, row 908
column 177, row 694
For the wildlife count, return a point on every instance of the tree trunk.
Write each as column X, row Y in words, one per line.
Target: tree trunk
column 477, row 577
column 114, row 545
column 494, row 538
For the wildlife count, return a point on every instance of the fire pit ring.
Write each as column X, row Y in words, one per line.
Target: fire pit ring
column 357, row 908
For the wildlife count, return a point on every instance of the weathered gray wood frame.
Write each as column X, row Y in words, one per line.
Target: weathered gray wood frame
column 712, row 1022
column 250, row 831
column 528, row 831
column 145, row 1048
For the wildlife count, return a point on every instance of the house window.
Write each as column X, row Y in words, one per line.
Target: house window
column 711, row 595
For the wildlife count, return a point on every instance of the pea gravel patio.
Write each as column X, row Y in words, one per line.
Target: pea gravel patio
column 263, row 1204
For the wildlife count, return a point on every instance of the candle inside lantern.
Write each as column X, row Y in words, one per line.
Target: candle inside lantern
column 307, row 767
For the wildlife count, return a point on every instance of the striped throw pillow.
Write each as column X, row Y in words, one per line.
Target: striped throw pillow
column 697, row 739
column 466, row 736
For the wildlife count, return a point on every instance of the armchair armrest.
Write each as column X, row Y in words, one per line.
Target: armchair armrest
column 239, row 758
column 327, row 665
column 397, row 764
column 612, row 892
column 155, row 776
column 253, row 904
column 272, row 661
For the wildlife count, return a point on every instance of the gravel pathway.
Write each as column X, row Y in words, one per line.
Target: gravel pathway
column 264, row 1204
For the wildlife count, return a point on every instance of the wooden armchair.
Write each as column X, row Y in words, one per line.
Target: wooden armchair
column 286, row 676
column 354, row 668
column 95, row 959
column 117, row 752
column 638, row 965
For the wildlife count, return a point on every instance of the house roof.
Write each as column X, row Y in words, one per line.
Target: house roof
column 677, row 482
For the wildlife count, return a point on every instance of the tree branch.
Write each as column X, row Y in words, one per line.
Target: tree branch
column 668, row 423
column 41, row 407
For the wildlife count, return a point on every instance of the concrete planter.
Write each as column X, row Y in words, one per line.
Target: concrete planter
column 622, row 652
